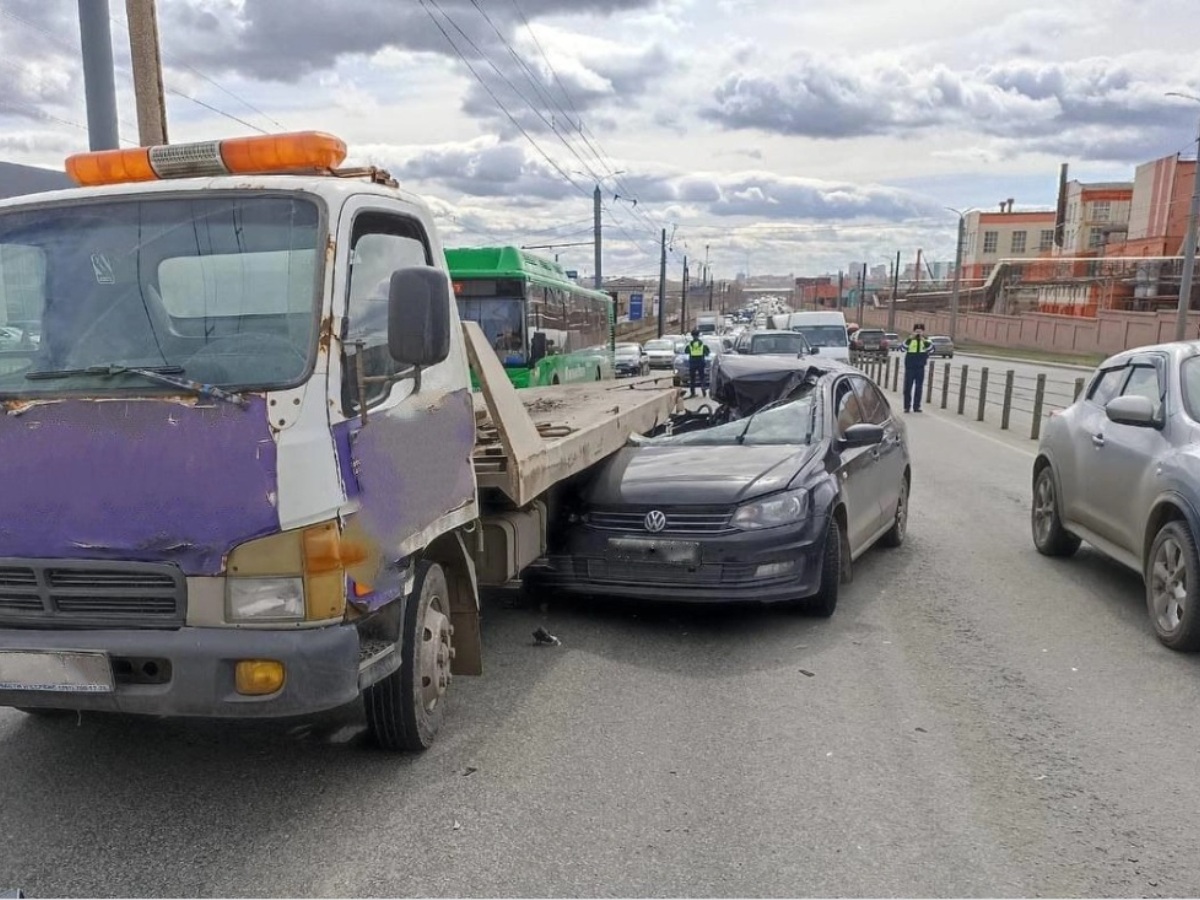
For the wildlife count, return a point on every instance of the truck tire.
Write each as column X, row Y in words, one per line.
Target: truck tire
column 405, row 709
column 824, row 601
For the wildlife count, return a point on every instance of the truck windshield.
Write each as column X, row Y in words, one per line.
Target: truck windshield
column 823, row 335
column 221, row 290
column 502, row 320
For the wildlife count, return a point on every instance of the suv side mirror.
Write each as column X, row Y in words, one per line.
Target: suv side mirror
column 814, row 349
column 419, row 316
column 864, row 434
column 1132, row 409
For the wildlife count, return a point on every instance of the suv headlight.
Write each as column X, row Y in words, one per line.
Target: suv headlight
column 773, row 511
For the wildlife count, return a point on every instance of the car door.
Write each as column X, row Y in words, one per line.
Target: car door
column 1077, row 472
column 890, row 462
column 1125, row 456
column 857, row 469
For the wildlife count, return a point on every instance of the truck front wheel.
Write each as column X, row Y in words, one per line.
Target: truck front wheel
column 405, row 709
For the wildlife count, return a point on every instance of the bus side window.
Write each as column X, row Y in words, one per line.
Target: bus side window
column 380, row 245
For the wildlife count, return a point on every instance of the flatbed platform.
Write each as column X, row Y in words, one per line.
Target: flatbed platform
column 529, row 440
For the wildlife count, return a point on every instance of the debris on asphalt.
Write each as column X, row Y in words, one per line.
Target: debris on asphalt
column 807, row 673
column 922, row 730
column 457, row 825
column 469, row 771
column 542, row 636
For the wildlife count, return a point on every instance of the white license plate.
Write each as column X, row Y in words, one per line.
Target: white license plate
column 64, row 671
column 671, row 553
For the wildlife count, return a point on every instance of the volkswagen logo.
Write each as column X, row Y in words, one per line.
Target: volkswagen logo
column 655, row 521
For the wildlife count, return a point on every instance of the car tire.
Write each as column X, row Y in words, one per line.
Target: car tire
column 1173, row 587
column 825, row 600
column 1049, row 536
column 405, row 709
column 895, row 535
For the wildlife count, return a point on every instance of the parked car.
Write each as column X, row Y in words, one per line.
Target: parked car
column 801, row 469
column 630, row 360
column 1120, row 469
column 716, row 346
column 660, row 352
column 942, row 346
column 773, row 343
column 893, row 341
column 869, row 339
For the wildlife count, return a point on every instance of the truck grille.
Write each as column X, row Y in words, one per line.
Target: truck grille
column 68, row 593
column 680, row 520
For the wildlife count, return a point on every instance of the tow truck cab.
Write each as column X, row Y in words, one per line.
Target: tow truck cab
column 246, row 431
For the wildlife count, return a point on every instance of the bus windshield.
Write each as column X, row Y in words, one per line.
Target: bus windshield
column 823, row 335
column 217, row 289
column 502, row 322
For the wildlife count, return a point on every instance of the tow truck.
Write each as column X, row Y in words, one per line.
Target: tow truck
column 247, row 474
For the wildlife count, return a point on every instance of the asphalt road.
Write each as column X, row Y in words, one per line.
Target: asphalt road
column 975, row 720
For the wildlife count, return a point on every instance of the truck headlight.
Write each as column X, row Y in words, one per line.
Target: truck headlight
column 266, row 599
column 773, row 511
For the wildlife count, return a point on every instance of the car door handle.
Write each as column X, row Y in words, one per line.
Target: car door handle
column 1098, row 440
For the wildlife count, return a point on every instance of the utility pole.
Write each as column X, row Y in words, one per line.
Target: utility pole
column 146, row 59
column 1189, row 253
column 99, row 86
column 895, row 290
column 662, row 283
column 683, row 301
column 958, row 259
column 710, row 294
column 706, row 274
column 596, row 234
column 841, row 290
column 862, row 292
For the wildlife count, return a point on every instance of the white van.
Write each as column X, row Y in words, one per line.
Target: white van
column 826, row 330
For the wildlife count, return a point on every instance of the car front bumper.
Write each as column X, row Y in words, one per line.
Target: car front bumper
column 320, row 664
column 771, row 565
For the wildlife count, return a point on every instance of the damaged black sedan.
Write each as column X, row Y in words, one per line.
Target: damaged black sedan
column 769, row 498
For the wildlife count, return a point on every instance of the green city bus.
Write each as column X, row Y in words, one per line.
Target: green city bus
column 545, row 328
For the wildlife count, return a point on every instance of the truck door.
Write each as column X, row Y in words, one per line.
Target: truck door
column 409, row 464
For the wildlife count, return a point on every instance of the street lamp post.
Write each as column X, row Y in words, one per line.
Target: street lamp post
column 1189, row 250
column 958, row 259
column 597, row 227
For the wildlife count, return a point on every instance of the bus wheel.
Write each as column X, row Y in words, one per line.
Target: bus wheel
column 405, row 709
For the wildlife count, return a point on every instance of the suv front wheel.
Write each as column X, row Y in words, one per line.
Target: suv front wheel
column 1172, row 583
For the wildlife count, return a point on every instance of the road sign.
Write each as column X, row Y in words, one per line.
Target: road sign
column 635, row 307
column 572, row 274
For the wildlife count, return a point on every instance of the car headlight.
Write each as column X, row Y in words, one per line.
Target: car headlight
column 266, row 599
column 773, row 511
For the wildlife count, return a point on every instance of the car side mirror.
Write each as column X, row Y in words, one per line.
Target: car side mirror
column 814, row 349
column 864, row 434
column 419, row 316
column 1132, row 410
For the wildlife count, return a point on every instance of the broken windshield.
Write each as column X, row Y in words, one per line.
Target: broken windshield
column 221, row 290
column 791, row 422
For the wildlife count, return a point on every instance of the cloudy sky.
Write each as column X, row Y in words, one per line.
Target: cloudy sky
column 786, row 136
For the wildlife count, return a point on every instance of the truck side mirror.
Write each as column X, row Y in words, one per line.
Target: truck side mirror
column 419, row 316
column 537, row 347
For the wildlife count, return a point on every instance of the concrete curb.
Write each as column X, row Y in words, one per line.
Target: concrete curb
column 1027, row 362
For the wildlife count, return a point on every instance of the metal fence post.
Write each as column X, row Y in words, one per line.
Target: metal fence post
column 962, row 391
column 1078, row 387
column 929, row 380
column 1039, row 396
column 945, row 384
column 895, row 376
column 983, row 374
column 1008, row 391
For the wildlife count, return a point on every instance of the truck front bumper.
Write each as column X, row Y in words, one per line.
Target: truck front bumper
column 321, row 670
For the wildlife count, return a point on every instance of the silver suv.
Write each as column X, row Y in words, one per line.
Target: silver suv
column 1120, row 469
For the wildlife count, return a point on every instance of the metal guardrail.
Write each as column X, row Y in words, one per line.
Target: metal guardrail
column 995, row 394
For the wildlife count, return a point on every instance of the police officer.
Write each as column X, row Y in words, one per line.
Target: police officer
column 697, row 352
column 916, row 353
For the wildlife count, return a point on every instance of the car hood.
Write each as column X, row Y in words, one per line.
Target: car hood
column 701, row 475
